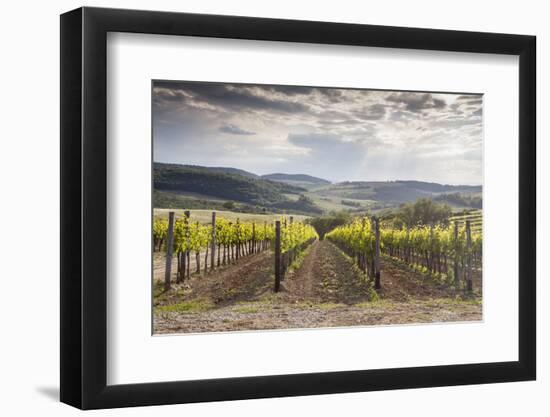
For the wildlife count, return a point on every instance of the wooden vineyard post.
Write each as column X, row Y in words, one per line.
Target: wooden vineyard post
column 277, row 255
column 372, row 247
column 264, row 246
column 230, row 248
column 408, row 247
column 169, row 250
column 364, row 255
column 238, row 245
column 469, row 256
column 197, row 256
column 377, row 253
column 187, row 253
column 213, row 243
column 253, row 243
column 431, row 251
column 290, row 253
column 455, row 270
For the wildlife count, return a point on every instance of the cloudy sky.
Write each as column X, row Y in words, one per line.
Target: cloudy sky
column 337, row 134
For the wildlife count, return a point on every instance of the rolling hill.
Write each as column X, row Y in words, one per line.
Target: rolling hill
column 300, row 180
column 205, row 184
column 392, row 191
column 220, row 170
column 220, row 183
column 210, row 187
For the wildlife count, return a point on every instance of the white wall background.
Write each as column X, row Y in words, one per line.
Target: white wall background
column 29, row 218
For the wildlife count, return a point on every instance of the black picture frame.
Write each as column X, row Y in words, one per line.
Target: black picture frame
column 84, row 207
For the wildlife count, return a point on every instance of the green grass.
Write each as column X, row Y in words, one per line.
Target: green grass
column 329, row 306
column 193, row 306
column 459, row 300
column 247, row 309
column 376, row 303
column 334, row 203
column 160, row 295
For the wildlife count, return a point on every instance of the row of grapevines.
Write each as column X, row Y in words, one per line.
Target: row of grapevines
column 294, row 235
column 357, row 239
column 195, row 236
column 232, row 241
column 436, row 249
column 160, row 229
column 357, row 236
column 295, row 238
column 438, row 240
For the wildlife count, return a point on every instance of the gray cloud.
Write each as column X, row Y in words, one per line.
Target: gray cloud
column 332, row 94
column 336, row 117
column 235, row 130
column 374, row 112
column 340, row 134
column 469, row 97
column 416, row 102
column 291, row 90
column 474, row 103
column 399, row 115
column 232, row 96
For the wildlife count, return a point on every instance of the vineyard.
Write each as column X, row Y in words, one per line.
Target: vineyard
column 451, row 253
column 475, row 217
column 223, row 242
column 272, row 210
column 236, row 269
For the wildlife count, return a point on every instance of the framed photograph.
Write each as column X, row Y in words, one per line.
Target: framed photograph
column 259, row 208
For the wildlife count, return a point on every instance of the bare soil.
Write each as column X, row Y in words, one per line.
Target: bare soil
column 326, row 275
column 325, row 290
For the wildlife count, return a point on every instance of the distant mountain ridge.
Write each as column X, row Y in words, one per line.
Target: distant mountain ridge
column 397, row 192
column 223, row 170
column 432, row 187
column 299, row 193
column 296, row 178
column 439, row 188
column 228, row 184
column 225, row 183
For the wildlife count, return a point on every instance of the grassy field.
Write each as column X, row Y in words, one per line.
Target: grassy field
column 334, row 203
column 205, row 216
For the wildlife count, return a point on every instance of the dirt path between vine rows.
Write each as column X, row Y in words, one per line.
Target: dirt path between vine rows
column 327, row 275
column 245, row 279
column 325, row 290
